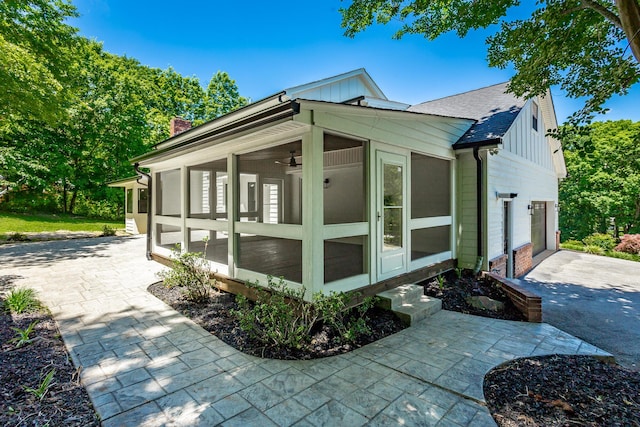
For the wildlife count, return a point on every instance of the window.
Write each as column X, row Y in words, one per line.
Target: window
column 534, row 116
column 129, row 200
column 207, row 190
column 143, row 200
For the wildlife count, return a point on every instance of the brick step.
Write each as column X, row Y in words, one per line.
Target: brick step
column 409, row 303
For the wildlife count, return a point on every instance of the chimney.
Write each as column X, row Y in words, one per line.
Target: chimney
column 178, row 125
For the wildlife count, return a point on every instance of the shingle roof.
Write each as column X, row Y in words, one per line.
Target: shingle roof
column 492, row 107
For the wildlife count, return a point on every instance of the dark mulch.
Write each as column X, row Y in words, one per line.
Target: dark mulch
column 215, row 316
column 455, row 291
column 563, row 391
column 66, row 403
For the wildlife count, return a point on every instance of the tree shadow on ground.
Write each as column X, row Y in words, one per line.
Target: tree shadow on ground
column 41, row 253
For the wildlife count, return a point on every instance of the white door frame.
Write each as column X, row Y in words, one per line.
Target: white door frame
column 390, row 260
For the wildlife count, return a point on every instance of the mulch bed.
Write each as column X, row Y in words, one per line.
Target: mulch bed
column 562, row 391
column 455, row 291
column 66, row 403
column 215, row 316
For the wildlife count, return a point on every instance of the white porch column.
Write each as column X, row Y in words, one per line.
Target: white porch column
column 312, row 211
column 232, row 209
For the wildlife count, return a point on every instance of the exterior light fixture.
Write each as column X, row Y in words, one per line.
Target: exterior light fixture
column 530, row 207
column 326, row 183
column 506, row 195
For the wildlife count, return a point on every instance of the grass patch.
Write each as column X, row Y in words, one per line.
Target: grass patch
column 21, row 300
column 16, row 224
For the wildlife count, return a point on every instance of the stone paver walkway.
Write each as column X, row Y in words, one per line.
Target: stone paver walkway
column 145, row 364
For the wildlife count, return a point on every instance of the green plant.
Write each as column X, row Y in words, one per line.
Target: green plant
column 108, row 231
column 623, row 255
column 17, row 237
column 334, row 309
column 459, row 271
column 21, row 300
column 190, row 270
column 574, row 247
column 43, row 388
column 279, row 317
column 572, row 242
column 23, row 336
column 604, row 241
column 440, row 280
column 594, row 249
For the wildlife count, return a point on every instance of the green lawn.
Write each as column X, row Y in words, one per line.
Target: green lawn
column 18, row 223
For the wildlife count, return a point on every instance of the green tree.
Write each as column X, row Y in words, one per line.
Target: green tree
column 36, row 56
column 222, row 96
column 591, row 48
column 603, row 183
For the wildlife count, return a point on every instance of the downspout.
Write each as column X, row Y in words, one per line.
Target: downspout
column 476, row 155
column 136, row 166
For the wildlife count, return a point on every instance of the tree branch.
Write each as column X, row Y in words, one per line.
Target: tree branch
column 606, row 13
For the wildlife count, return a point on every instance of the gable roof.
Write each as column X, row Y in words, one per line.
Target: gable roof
column 493, row 109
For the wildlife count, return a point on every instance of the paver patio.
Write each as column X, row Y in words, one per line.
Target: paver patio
column 145, row 364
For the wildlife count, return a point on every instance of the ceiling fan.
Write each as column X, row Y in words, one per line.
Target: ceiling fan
column 292, row 161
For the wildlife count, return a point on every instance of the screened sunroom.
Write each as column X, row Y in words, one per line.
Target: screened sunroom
column 328, row 196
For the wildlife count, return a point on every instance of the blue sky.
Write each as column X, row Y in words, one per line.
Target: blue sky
column 267, row 46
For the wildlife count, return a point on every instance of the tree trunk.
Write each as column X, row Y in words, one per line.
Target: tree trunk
column 72, row 203
column 64, row 195
column 629, row 12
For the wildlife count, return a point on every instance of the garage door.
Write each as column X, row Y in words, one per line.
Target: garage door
column 539, row 227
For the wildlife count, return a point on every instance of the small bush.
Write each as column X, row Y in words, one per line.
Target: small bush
column 280, row 317
column 108, row 231
column 572, row 243
column 574, row 247
column 17, row 237
column 629, row 243
column 594, row 249
column 623, row 255
column 604, row 241
column 192, row 271
column 21, row 300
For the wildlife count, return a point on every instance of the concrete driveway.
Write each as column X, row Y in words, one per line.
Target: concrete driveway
column 594, row 298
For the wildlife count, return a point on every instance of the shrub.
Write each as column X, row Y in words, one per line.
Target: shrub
column 594, row 249
column 17, row 237
column 604, row 241
column 623, row 255
column 334, row 310
column 629, row 243
column 579, row 247
column 572, row 243
column 280, row 317
column 190, row 270
column 108, row 231
column 21, row 301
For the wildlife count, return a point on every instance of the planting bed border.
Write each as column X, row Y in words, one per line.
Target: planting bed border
column 529, row 303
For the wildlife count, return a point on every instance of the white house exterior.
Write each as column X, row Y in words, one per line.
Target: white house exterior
column 136, row 203
column 334, row 187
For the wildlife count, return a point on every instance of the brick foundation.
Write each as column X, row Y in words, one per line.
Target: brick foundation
column 522, row 259
column 498, row 265
column 529, row 304
column 558, row 240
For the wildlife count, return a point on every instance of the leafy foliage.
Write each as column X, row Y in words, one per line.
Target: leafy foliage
column 280, row 316
column 604, row 241
column 602, row 189
column 192, row 271
column 583, row 46
column 21, row 300
column 37, row 49
column 43, row 388
column 23, row 336
column 629, row 243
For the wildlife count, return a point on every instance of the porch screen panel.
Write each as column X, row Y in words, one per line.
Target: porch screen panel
column 273, row 256
column 168, row 193
column 168, row 236
column 207, row 190
column 430, row 241
column 269, row 185
column 345, row 257
column 216, row 244
column 430, row 186
column 344, row 180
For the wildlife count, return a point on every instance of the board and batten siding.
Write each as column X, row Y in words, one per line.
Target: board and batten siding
column 522, row 140
column 466, row 210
